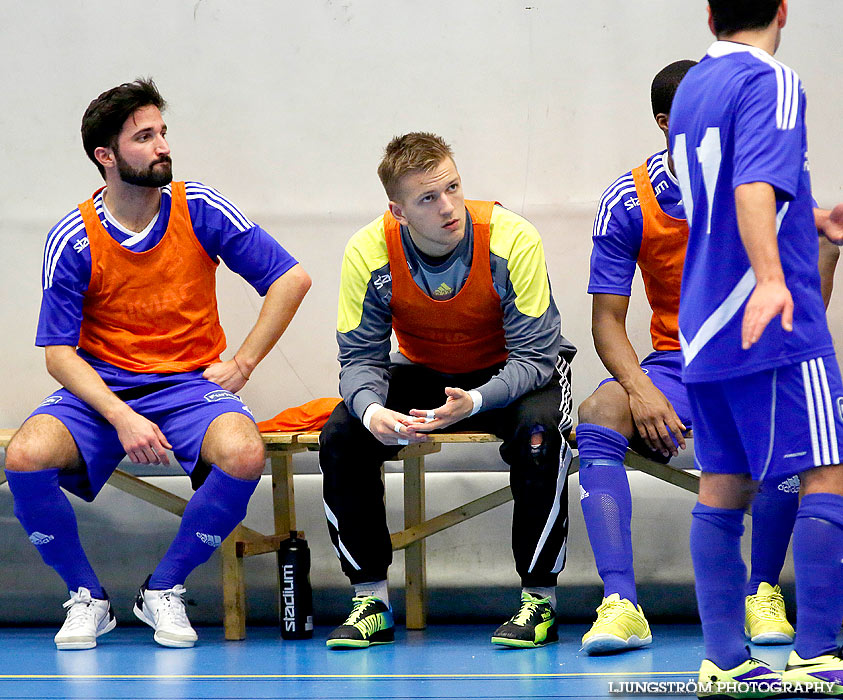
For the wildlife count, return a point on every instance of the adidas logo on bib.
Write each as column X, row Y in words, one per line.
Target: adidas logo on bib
column 210, row 540
column 39, row 538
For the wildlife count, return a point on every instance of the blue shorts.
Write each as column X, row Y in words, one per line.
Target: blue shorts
column 182, row 408
column 664, row 368
column 772, row 423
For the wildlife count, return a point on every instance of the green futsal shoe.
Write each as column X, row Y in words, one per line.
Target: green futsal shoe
column 821, row 676
column 534, row 625
column 369, row 623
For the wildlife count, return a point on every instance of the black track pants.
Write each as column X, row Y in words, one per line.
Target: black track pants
column 350, row 458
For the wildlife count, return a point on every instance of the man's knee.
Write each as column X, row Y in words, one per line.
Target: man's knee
column 535, row 445
column 608, row 406
column 828, row 479
column 234, row 444
column 42, row 443
column 243, row 459
column 728, row 491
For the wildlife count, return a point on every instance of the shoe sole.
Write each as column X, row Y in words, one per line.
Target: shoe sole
column 163, row 641
column 770, row 638
column 523, row 643
column 353, row 643
column 608, row 643
column 518, row 643
column 87, row 644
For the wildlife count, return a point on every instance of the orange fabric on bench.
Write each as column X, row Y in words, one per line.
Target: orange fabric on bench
column 309, row 416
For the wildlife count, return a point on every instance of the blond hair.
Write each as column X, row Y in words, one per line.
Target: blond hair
column 418, row 151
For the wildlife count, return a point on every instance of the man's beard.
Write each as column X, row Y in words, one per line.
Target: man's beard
column 156, row 175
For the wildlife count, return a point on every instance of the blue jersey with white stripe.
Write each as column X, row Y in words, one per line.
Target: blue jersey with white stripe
column 222, row 230
column 619, row 227
column 739, row 117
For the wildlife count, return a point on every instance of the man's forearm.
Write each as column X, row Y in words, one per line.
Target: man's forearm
column 828, row 256
column 608, row 328
column 80, row 379
column 618, row 355
column 755, row 205
column 280, row 305
column 362, row 384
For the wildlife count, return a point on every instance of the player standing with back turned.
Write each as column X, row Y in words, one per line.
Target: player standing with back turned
column 765, row 394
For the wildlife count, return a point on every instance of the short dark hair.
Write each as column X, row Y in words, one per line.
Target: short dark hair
column 105, row 116
column 666, row 83
column 418, row 151
column 732, row 16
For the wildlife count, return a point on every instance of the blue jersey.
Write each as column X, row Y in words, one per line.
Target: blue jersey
column 618, row 227
column 739, row 117
column 222, row 230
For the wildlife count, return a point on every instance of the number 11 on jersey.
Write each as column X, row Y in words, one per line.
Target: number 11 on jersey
column 709, row 157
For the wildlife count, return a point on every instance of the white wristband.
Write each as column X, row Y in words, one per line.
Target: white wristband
column 368, row 413
column 477, row 398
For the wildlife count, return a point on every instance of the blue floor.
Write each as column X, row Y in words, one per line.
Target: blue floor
column 444, row 661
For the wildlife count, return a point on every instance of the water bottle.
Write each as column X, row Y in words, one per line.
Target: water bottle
column 296, row 595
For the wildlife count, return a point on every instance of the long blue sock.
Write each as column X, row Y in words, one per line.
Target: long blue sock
column 818, row 561
column 720, row 577
column 773, row 516
column 49, row 520
column 215, row 510
column 607, row 507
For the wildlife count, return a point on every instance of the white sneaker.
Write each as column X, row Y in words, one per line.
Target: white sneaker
column 164, row 612
column 87, row 618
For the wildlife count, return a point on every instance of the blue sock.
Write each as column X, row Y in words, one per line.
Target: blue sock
column 50, row 522
column 773, row 517
column 720, row 577
column 607, row 507
column 215, row 510
column 818, row 561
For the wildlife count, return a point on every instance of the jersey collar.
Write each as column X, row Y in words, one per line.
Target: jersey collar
column 724, row 48
column 133, row 237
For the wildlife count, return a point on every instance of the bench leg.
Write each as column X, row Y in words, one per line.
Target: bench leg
column 233, row 589
column 283, row 498
column 414, row 555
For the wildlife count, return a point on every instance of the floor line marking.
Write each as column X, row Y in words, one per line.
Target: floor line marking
column 340, row 676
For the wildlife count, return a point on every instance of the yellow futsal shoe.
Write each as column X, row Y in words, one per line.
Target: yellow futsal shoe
column 821, row 676
column 766, row 620
column 619, row 626
column 751, row 679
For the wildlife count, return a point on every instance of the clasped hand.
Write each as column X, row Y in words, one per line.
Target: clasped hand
column 394, row 428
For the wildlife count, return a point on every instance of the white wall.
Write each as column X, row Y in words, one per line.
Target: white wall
column 285, row 106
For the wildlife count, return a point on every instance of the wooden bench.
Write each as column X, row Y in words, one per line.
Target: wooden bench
column 245, row 542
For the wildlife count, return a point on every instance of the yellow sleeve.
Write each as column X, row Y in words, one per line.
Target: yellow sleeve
column 365, row 253
column 517, row 241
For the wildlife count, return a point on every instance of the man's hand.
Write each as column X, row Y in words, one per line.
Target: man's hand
column 393, row 428
column 227, row 374
column 831, row 225
column 768, row 300
column 655, row 420
column 458, row 405
column 141, row 438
